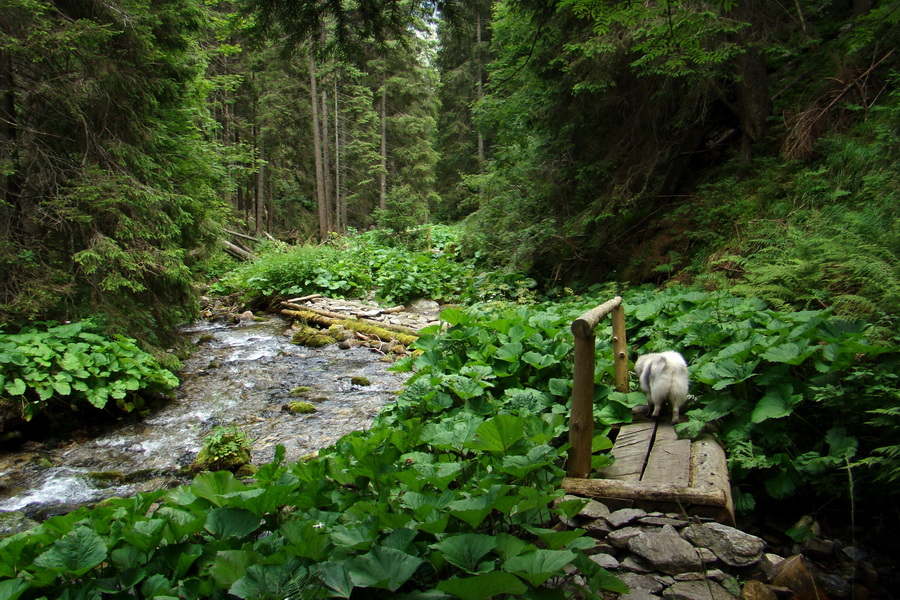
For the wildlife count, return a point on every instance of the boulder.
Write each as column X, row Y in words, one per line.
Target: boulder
column 732, row 546
column 667, row 551
column 697, row 590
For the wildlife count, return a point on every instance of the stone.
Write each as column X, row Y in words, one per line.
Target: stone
column 619, row 538
column 636, row 581
column 817, row 548
column 773, row 558
column 666, row 551
column 639, row 595
column 795, row 573
column 691, row 576
column 594, row 510
column 697, row 590
column 428, row 308
column 624, row 516
column 660, row 521
column 597, row 526
column 757, row 590
column 606, row 561
column 632, row 564
column 15, row 522
column 732, row 546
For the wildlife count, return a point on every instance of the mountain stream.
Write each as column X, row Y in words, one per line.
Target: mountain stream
column 239, row 375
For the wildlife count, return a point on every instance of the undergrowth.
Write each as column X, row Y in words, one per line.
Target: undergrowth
column 454, row 489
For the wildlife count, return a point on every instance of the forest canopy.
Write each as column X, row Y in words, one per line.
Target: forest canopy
column 745, row 145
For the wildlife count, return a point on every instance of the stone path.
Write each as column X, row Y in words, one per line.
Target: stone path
column 675, row 557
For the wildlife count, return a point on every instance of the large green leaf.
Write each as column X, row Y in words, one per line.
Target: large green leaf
column 272, row 582
column 230, row 565
column 774, row 405
column 483, row 586
column 11, row 589
column 75, row 553
column 383, row 568
column 336, row 577
column 498, row 434
column 540, row 565
column 231, row 522
column 466, row 551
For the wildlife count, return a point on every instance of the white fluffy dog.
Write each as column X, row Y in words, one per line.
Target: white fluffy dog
column 663, row 376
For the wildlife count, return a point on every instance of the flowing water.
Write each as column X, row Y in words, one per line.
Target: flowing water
column 239, row 375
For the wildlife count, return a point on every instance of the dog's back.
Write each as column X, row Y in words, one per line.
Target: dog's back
column 663, row 377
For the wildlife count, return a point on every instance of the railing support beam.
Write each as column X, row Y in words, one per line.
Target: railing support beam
column 581, row 420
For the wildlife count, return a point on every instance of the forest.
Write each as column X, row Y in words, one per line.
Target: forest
column 729, row 167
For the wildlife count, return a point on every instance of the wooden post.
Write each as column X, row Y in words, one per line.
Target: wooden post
column 620, row 349
column 581, row 420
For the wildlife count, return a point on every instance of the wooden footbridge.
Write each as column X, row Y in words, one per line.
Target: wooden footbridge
column 653, row 468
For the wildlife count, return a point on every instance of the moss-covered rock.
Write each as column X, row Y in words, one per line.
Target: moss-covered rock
column 225, row 449
column 301, row 390
column 14, row 522
column 105, row 478
column 359, row 380
column 301, row 408
column 313, row 338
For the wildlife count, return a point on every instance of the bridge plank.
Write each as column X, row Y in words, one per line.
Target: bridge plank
column 631, row 450
column 669, row 461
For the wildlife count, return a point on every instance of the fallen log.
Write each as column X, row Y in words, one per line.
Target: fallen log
column 356, row 325
column 237, row 251
column 334, row 315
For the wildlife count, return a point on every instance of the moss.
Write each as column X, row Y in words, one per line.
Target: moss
column 300, row 390
column 358, row 380
column 313, row 338
column 225, row 449
column 42, row 462
column 247, row 470
column 205, row 338
column 105, row 478
column 301, row 408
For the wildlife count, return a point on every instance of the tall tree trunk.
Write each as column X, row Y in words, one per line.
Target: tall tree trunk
column 317, row 149
column 10, row 138
column 261, row 187
column 326, row 161
column 479, row 59
column 382, row 114
column 339, row 202
column 753, row 101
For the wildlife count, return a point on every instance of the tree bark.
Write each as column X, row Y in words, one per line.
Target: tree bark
column 261, row 186
column 479, row 59
column 382, row 113
column 317, row 149
column 9, row 124
column 326, row 162
column 753, row 101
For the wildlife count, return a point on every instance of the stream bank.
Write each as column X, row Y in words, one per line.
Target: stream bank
column 241, row 374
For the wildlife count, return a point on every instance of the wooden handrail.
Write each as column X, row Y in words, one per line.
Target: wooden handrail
column 581, row 420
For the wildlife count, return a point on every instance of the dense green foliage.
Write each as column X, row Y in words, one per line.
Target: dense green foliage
column 108, row 181
column 372, row 261
column 645, row 141
column 75, row 365
column 453, row 487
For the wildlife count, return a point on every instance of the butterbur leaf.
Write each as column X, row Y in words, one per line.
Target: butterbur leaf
column 499, row 433
column 774, row 405
column 509, row 352
column 538, row 361
column 76, row 552
column 336, row 578
column 383, row 568
column 466, row 550
column 560, row 387
column 11, row 589
column 231, row 522
column 231, row 565
column 556, row 539
column 540, row 565
column 16, row 387
column 483, row 586
column 271, row 582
